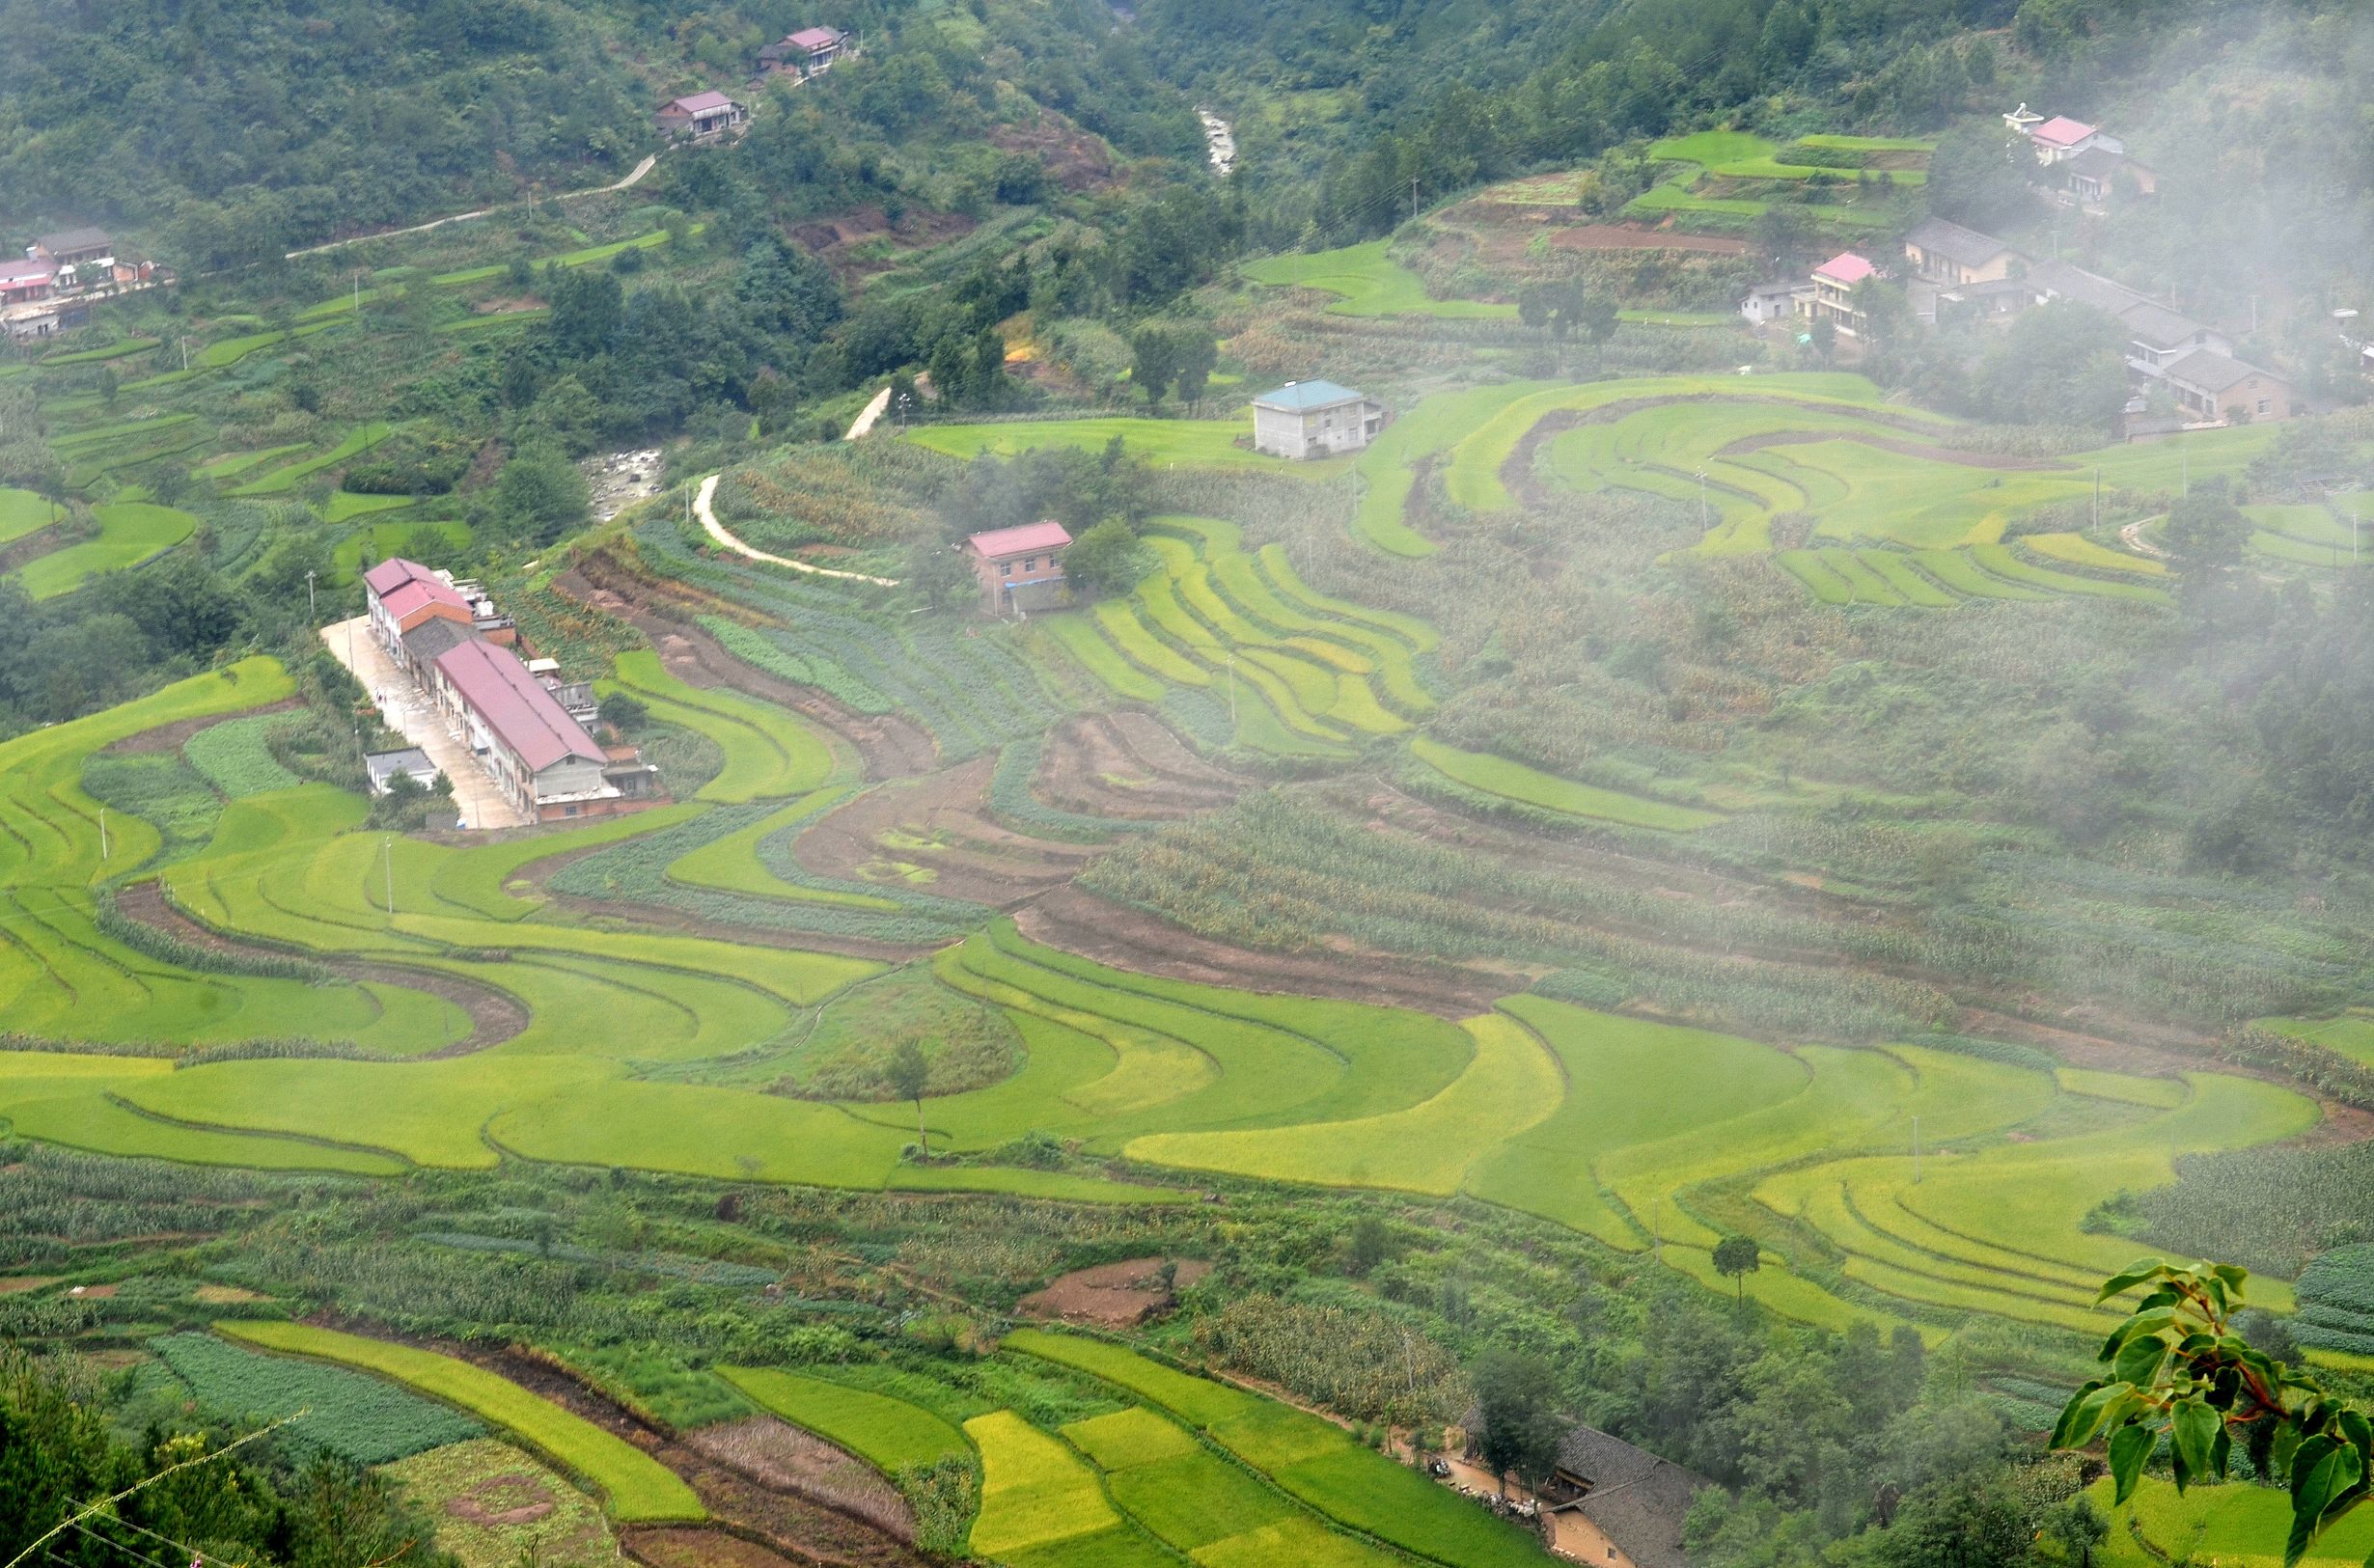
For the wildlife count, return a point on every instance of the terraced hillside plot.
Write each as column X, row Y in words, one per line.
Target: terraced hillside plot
column 768, row 752
column 1368, row 281
column 471, row 1488
column 1310, row 1459
column 362, row 1419
column 888, row 1434
column 23, row 513
column 637, row 1487
column 2235, row 1525
column 1306, row 676
column 1194, row 442
column 130, row 533
column 1035, row 1491
column 1500, row 777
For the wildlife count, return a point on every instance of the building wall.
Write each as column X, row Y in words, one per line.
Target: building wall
column 1032, row 587
column 1578, row 1536
column 1312, row 432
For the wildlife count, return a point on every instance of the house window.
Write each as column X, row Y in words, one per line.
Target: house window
column 568, row 810
column 1031, row 565
column 1006, row 568
column 2266, row 404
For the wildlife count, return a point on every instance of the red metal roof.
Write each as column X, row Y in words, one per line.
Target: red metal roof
column 702, row 103
column 1845, row 267
column 2062, row 131
column 512, row 704
column 812, row 38
column 1015, row 541
column 393, row 573
column 418, row 595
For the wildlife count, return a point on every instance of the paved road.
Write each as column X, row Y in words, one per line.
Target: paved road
column 410, row 713
column 718, row 532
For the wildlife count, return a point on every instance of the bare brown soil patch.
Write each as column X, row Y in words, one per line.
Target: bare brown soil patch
column 1079, row 921
column 19, row 1284
column 169, row 737
column 226, row 1295
column 780, row 1455
column 837, row 238
column 682, row 1545
column 937, row 823
column 93, row 1293
column 784, row 1524
column 1074, row 159
column 1127, row 766
column 1111, row 1295
column 1621, row 236
column 495, row 1016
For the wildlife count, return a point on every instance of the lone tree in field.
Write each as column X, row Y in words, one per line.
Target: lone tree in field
column 1735, row 1258
column 907, row 1073
column 1521, row 1430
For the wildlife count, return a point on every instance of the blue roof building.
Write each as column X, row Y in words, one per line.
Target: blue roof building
column 1314, row 419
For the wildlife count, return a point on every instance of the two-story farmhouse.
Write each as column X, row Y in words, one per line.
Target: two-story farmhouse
column 1946, row 253
column 401, row 600
column 1314, row 419
column 809, row 53
column 702, row 116
column 1835, row 283
column 1019, row 568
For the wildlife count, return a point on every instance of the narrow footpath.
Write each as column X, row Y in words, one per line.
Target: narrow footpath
column 718, row 532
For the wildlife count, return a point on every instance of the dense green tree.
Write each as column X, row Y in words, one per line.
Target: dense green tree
column 1107, row 558
column 2205, row 530
column 1736, row 1258
column 1515, row 1395
column 908, row 1075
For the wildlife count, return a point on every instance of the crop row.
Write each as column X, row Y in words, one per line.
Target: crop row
column 1944, row 577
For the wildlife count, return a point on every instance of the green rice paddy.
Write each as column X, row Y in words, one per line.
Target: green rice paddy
column 130, row 533
column 637, row 1487
column 1614, row 1127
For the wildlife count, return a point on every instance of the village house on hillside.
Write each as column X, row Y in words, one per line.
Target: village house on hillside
column 2212, row 386
column 2084, row 165
column 1616, row 1505
column 1947, row 253
column 1314, row 419
column 450, row 642
column 1835, row 283
column 1775, row 301
column 52, row 290
column 702, row 116
column 809, row 53
column 1020, row 568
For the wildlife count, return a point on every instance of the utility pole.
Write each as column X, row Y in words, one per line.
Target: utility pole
column 387, row 850
column 1656, row 1210
column 308, row 594
column 1702, row 501
column 185, row 356
column 102, row 833
column 1231, row 689
column 2097, row 495
column 1414, row 199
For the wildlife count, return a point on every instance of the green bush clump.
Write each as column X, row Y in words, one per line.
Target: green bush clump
column 357, row 1418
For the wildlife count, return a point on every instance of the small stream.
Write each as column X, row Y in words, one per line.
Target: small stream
column 1221, row 138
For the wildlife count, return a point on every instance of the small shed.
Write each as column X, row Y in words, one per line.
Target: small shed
column 384, row 766
column 1773, row 301
column 1020, row 568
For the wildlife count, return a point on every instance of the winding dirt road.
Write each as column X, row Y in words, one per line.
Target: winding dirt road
column 724, row 538
column 634, row 176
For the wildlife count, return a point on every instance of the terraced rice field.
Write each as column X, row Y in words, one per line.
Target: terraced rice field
column 1195, row 441
column 1312, row 1461
column 1897, row 518
column 131, row 534
column 2235, row 1525
column 636, row 1487
column 1538, row 1107
column 888, row 1434
column 1368, row 281
column 1306, row 676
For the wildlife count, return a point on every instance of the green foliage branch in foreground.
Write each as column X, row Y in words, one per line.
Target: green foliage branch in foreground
column 2180, row 1372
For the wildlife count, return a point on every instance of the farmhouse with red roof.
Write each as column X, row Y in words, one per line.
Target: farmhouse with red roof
column 703, row 117
column 1835, row 283
column 807, row 52
column 1019, row 568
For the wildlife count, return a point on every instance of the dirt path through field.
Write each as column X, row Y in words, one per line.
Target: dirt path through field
column 717, row 531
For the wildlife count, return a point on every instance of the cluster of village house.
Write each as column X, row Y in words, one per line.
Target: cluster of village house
column 50, row 287
column 525, row 727
column 708, row 117
column 1953, row 273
